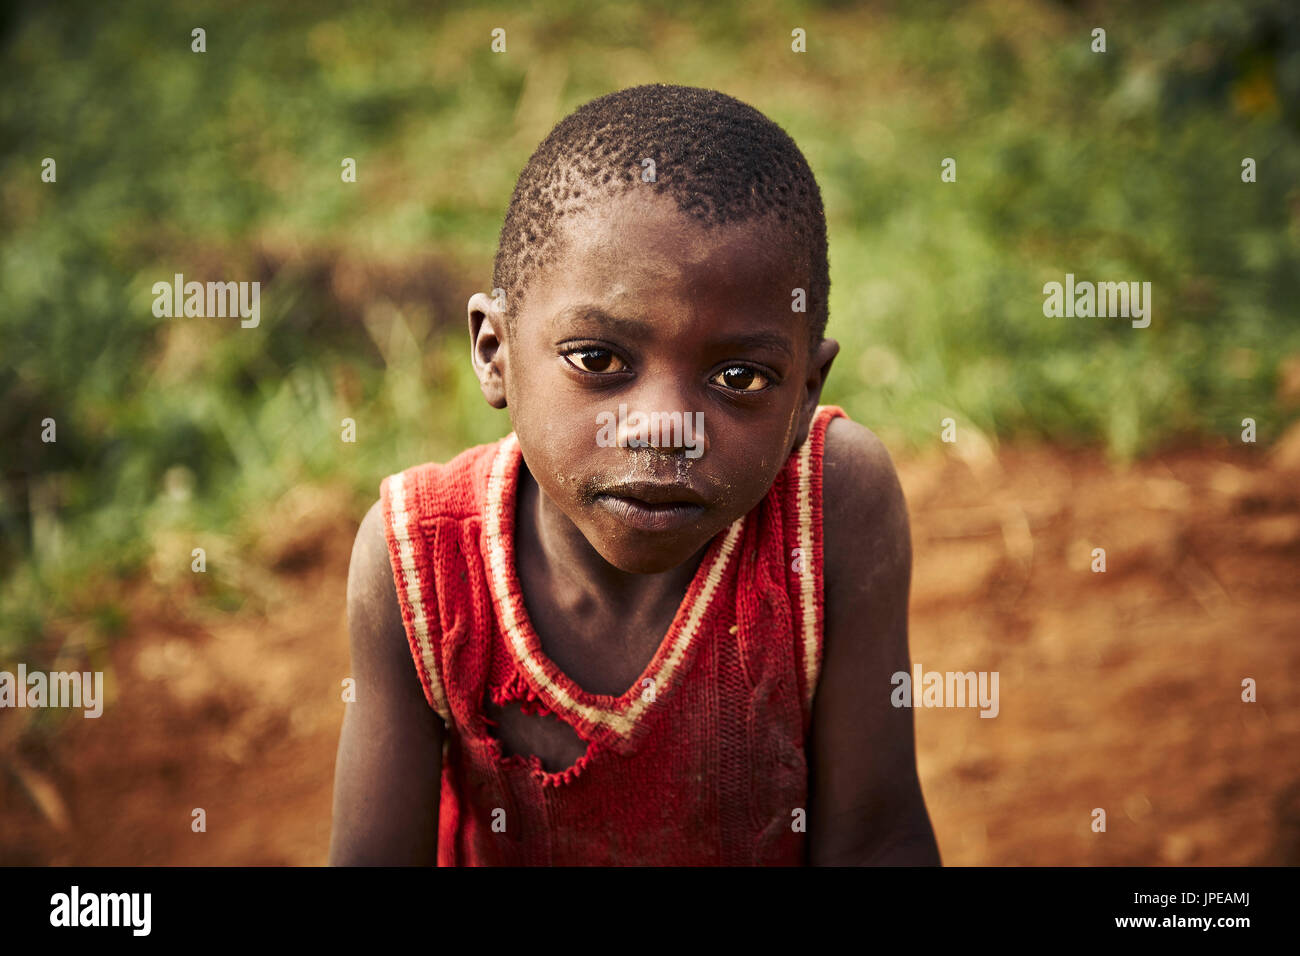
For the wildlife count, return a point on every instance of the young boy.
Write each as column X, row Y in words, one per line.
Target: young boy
column 656, row 623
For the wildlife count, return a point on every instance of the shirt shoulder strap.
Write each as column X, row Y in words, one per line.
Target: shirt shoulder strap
column 809, row 606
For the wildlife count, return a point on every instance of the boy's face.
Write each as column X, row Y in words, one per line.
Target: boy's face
column 644, row 308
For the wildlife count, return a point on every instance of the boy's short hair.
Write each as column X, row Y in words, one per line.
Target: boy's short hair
column 721, row 160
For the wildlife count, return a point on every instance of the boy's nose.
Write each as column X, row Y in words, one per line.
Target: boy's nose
column 672, row 432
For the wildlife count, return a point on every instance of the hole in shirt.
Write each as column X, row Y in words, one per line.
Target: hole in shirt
column 554, row 743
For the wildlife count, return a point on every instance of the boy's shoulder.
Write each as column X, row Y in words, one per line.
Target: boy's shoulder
column 864, row 512
column 853, row 455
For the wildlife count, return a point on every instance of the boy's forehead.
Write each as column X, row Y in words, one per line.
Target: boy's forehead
column 636, row 250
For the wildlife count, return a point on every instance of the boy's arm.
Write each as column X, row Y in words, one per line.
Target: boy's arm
column 386, row 779
column 865, row 797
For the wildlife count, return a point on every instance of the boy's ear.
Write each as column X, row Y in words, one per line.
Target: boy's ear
column 488, row 348
column 819, row 366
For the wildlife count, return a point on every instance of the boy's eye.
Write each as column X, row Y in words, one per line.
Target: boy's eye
column 595, row 360
column 742, row 378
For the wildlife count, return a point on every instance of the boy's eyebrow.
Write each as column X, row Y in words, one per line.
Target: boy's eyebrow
column 592, row 313
column 638, row 327
column 761, row 340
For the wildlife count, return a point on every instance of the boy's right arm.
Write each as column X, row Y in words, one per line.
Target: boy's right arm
column 386, row 778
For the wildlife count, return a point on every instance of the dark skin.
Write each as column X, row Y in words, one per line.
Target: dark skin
column 644, row 306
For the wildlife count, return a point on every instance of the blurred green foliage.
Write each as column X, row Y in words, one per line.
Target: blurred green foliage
column 225, row 165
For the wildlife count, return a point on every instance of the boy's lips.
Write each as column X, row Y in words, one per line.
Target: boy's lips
column 654, row 492
column 652, row 507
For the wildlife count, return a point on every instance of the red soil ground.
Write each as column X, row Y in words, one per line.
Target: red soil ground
column 1119, row 690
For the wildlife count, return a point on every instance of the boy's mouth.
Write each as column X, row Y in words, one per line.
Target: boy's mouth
column 647, row 506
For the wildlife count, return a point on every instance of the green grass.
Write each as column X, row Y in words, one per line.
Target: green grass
column 226, row 165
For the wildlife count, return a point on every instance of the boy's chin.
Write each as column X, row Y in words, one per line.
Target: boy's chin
column 642, row 554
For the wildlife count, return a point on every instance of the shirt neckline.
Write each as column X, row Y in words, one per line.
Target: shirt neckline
column 592, row 715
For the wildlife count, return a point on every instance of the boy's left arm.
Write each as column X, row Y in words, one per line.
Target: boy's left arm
column 865, row 798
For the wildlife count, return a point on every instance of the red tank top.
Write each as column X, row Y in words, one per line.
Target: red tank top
column 702, row 761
